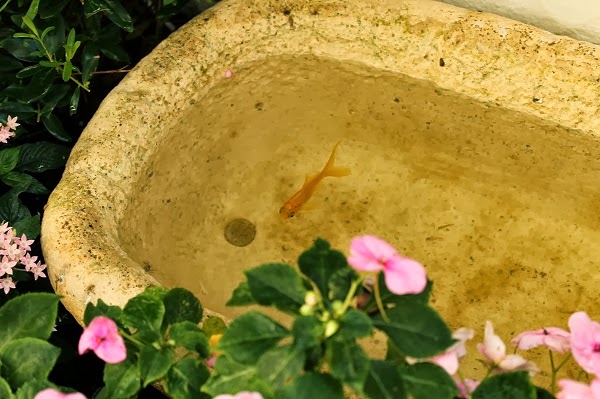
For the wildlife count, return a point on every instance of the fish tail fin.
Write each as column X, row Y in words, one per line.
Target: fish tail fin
column 330, row 169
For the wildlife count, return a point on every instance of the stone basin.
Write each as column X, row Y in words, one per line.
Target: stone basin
column 472, row 141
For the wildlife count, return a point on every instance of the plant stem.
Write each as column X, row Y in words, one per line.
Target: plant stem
column 378, row 300
column 5, row 4
column 130, row 338
column 554, row 370
column 351, row 293
column 79, row 84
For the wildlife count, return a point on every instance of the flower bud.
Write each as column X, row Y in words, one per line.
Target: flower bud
column 307, row 310
column 338, row 308
column 311, row 298
column 331, row 328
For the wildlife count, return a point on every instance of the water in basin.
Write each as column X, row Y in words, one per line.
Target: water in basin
column 501, row 207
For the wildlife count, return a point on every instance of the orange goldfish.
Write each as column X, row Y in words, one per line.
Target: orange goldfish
column 298, row 200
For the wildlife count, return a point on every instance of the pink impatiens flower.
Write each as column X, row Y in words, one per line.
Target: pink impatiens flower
column 102, row 336
column 494, row 350
column 450, row 358
column 577, row 390
column 241, row 395
column 554, row 338
column 402, row 275
column 12, row 123
column 50, row 393
column 585, row 342
column 38, row 270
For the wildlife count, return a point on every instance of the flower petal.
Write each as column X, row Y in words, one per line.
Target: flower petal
column 404, row 276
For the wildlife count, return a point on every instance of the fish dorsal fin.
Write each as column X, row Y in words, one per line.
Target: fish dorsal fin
column 310, row 177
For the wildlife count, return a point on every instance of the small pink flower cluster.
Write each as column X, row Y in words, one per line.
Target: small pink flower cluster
column 16, row 250
column 6, row 131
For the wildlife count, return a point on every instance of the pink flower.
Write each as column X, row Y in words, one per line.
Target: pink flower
column 241, row 395
column 6, row 284
column 24, row 243
column 12, row 123
column 450, row 358
column 38, row 270
column 466, row 387
column 50, row 393
column 554, row 338
column 6, row 266
column 5, row 134
column 4, row 228
column 402, row 275
column 11, row 250
column 228, row 73
column 102, row 336
column 494, row 350
column 28, row 261
column 585, row 342
column 577, row 390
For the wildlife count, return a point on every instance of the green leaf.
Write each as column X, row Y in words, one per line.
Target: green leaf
column 156, row 291
column 41, row 156
column 67, row 71
column 54, row 95
column 543, row 394
column 30, row 70
column 280, row 364
column 320, row 263
column 189, row 336
column 55, row 39
column 122, row 380
column 46, row 31
column 20, row 35
column 23, row 183
column 89, row 61
column 213, row 325
column 347, row 361
column 55, row 127
column 144, row 312
column 8, row 63
column 5, row 391
column 384, row 381
column 102, row 309
column 428, row 381
column 49, row 9
column 417, row 330
column 356, row 324
column 70, row 41
column 21, row 48
column 153, row 364
column 118, row 15
column 16, row 108
column 8, row 159
column 29, row 226
column 249, row 336
column 27, row 359
column 312, row 386
column 308, row 332
column 232, row 377
column 74, row 102
column 506, row 386
column 32, row 12
column 30, row 315
column 113, row 51
column 277, row 284
column 12, row 210
column 38, row 86
column 241, row 296
column 185, row 379
column 182, row 305
column 389, row 298
column 28, row 20
column 31, row 388
column 340, row 282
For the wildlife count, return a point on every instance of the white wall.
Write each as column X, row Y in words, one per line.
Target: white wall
column 576, row 18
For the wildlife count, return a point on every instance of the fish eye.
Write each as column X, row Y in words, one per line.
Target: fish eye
column 291, row 214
